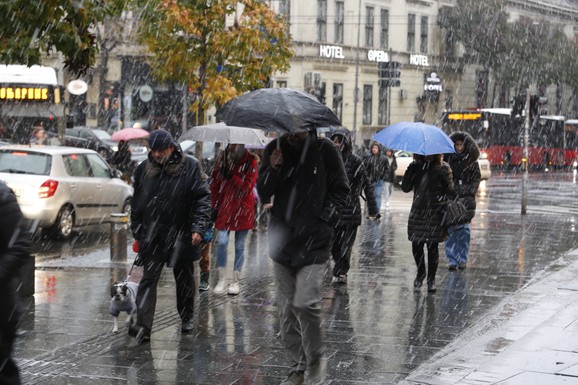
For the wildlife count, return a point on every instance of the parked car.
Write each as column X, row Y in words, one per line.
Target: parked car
column 60, row 188
column 91, row 138
column 188, row 147
column 404, row 158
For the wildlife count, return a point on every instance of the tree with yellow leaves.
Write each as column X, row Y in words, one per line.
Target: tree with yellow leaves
column 217, row 48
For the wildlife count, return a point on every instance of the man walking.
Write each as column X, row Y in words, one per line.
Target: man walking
column 13, row 255
column 171, row 210
column 377, row 166
column 306, row 177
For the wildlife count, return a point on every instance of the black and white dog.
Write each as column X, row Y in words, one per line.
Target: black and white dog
column 123, row 298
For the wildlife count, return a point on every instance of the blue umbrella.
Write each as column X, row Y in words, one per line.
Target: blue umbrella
column 415, row 137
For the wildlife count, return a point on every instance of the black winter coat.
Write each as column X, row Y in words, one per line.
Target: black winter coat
column 169, row 204
column 350, row 214
column 466, row 171
column 431, row 185
column 377, row 167
column 390, row 176
column 306, row 193
column 14, row 253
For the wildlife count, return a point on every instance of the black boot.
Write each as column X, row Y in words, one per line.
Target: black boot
column 417, row 283
column 431, row 286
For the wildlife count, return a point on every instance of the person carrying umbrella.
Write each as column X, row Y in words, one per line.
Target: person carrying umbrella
column 377, row 166
column 350, row 214
column 467, row 176
column 232, row 182
column 431, row 180
column 306, row 177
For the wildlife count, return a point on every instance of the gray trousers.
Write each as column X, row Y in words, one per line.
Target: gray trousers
column 299, row 304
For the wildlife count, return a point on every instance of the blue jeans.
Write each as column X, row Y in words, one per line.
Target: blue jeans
column 223, row 243
column 377, row 189
column 458, row 244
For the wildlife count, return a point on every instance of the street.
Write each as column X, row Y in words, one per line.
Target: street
column 378, row 330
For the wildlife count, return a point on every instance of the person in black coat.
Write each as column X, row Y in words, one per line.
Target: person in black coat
column 171, row 211
column 377, row 168
column 350, row 214
column 121, row 160
column 304, row 179
column 390, row 176
column 14, row 253
column 431, row 181
column 467, row 176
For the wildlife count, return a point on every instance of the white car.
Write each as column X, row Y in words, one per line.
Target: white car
column 404, row 158
column 59, row 188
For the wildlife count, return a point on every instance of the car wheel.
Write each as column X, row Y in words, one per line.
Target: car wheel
column 64, row 223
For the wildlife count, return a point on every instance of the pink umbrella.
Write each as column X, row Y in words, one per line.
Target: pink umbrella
column 129, row 133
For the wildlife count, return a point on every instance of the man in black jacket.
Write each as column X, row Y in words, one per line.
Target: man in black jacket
column 350, row 214
column 171, row 211
column 14, row 254
column 306, row 177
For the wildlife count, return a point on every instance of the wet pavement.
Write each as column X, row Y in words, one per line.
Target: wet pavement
column 378, row 330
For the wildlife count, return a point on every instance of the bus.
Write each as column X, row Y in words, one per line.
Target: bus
column 28, row 96
column 552, row 144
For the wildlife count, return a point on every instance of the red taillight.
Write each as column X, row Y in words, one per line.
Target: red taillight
column 48, row 189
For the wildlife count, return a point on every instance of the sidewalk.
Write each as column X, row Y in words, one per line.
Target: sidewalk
column 531, row 338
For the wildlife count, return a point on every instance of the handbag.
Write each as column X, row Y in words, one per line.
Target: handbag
column 454, row 213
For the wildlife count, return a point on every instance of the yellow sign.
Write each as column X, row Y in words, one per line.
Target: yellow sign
column 465, row 116
column 24, row 93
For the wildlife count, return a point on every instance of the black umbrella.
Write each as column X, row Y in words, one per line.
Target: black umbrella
column 277, row 109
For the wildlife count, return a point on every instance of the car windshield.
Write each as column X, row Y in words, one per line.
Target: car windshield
column 25, row 162
column 101, row 134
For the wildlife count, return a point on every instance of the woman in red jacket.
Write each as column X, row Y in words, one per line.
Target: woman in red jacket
column 233, row 179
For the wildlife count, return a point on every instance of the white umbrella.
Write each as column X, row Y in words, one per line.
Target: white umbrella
column 221, row 133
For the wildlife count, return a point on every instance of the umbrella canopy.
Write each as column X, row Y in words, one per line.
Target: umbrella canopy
column 415, row 137
column 129, row 133
column 277, row 109
column 222, row 133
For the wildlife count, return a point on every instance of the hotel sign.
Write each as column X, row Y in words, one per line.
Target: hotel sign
column 419, row 60
column 331, row 52
column 377, row 55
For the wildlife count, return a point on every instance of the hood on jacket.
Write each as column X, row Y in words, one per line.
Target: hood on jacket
column 471, row 149
column 346, row 135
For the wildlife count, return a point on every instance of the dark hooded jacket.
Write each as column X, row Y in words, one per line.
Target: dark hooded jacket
column 306, row 192
column 170, row 203
column 350, row 213
column 432, row 185
column 466, row 171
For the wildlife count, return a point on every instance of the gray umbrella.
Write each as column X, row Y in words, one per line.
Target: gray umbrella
column 222, row 133
column 277, row 109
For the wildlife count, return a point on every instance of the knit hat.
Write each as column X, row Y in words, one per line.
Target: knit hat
column 161, row 139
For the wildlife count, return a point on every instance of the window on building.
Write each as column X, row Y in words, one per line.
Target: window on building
column 367, row 103
column 322, row 20
column 410, row 32
column 424, row 35
column 382, row 107
column 369, row 15
column 384, row 32
column 338, row 100
column 285, row 8
column 339, row 20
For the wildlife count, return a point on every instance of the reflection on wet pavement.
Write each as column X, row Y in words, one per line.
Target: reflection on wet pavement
column 377, row 328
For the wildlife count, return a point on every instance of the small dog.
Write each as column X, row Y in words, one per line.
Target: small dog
column 123, row 298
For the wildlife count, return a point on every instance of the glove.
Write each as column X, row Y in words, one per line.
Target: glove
column 136, row 246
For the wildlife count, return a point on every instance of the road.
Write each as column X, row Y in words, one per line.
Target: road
column 378, row 330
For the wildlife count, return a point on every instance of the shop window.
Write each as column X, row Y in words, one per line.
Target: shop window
column 322, row 20
column 382, row 107
column 410, row 32
column 339, row 21
column 338, row 100
column 384, row 32
column 369, row 15
column 367, row 103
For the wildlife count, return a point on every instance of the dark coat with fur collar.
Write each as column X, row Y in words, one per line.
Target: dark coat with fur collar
column 306, row 193
column 466, row 171
column 169, row 204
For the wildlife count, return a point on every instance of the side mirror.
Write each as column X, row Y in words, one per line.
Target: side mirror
column 116, row 173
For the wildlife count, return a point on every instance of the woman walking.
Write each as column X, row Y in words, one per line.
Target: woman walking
column 431, row 180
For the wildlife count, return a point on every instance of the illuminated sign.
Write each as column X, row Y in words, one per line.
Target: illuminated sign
column 419, row 60
column 377, row 55
column 465, row 116
column 29, row 93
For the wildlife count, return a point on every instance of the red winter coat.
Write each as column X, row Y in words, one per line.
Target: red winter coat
column 233, row 197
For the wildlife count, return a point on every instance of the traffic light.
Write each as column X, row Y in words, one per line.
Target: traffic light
column 518, row 106
column 536, row 103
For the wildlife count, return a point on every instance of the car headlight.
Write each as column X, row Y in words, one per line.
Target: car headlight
column 115, row 148
column 483, row 155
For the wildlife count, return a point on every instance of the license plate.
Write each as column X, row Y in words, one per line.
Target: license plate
column 484, row 167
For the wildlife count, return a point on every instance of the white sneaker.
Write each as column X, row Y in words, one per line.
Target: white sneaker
column 234, row 288
column 221, row 286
